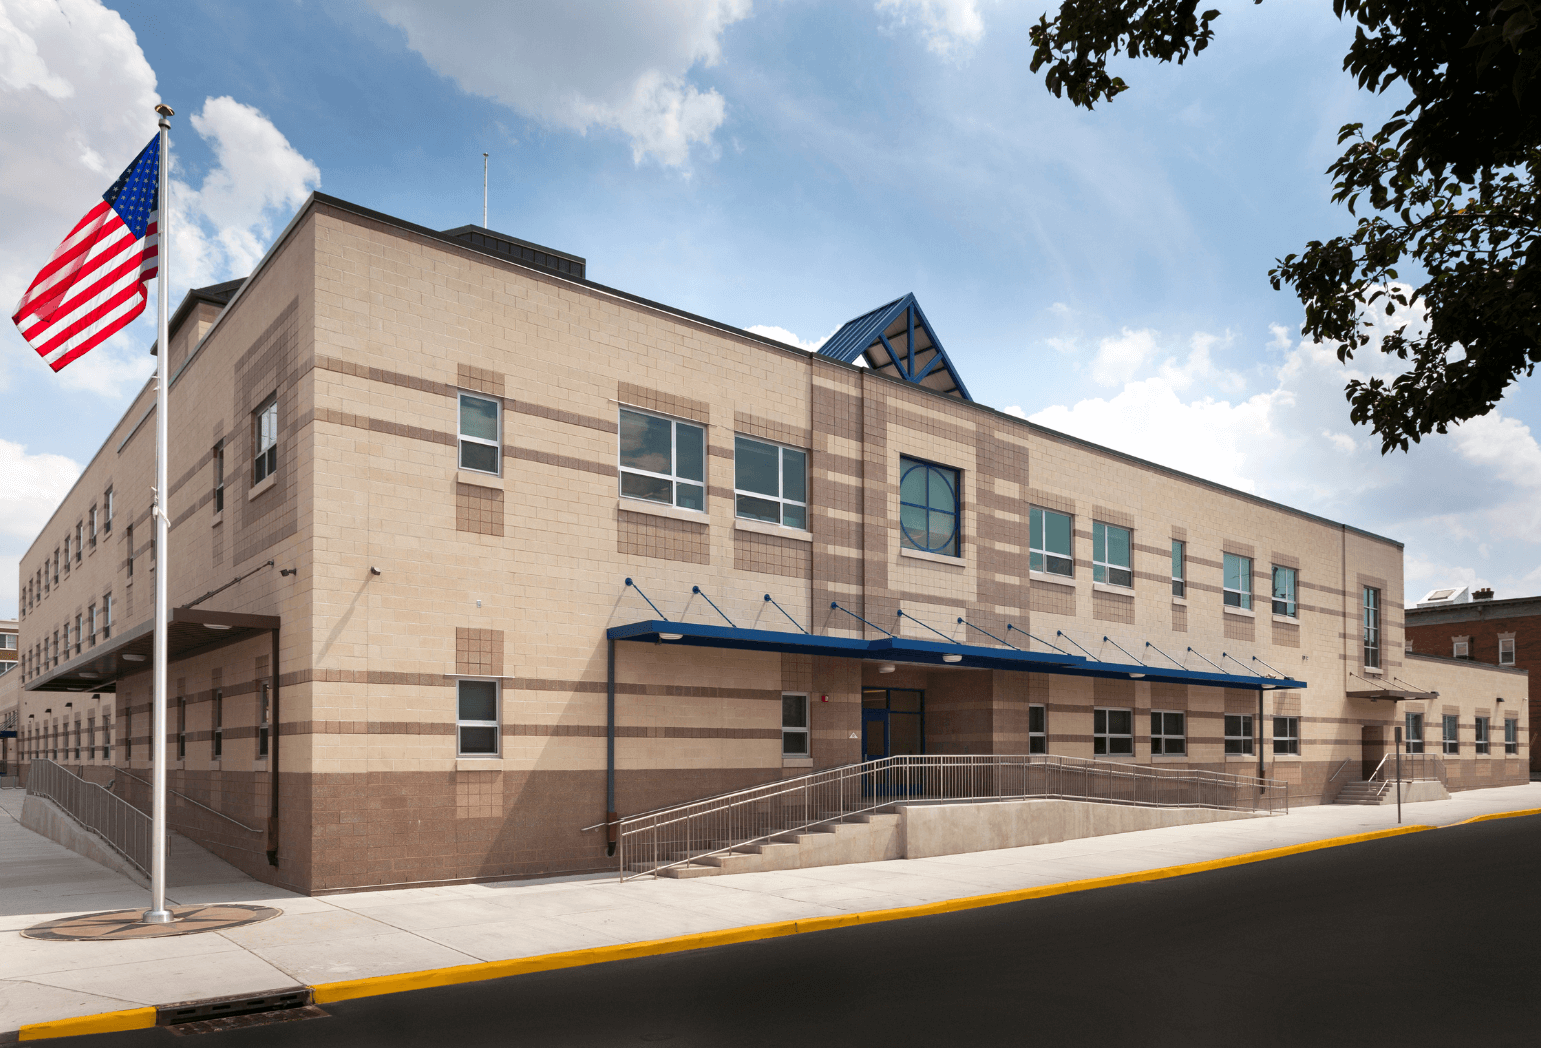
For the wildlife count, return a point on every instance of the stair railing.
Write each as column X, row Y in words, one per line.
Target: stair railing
column 1415, row 767
column 683, row 834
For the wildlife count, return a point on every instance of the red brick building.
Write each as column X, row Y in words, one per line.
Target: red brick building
column 1501, row 632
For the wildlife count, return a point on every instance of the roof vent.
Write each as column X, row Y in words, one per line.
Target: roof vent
column 1483, row 594
column 1450, row 595
column 514, row 249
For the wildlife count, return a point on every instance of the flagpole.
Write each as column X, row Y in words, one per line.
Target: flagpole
column 157, row 913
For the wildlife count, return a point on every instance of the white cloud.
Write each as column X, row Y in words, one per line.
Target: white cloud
column 31, row 487
column 1119, row 359
column 76, row 100
column 616, row 66
column 948, row 26
column 781, row 334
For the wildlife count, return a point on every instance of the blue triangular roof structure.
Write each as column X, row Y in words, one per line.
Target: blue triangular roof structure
column 898, row 340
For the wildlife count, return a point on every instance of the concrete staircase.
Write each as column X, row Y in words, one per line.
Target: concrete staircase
column 856, row 838
column 1362, row 792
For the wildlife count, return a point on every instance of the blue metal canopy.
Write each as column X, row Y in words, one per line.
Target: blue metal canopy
column 897, row 340
column 929, row 653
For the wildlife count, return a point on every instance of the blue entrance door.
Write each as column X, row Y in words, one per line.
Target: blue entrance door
column 874, row 734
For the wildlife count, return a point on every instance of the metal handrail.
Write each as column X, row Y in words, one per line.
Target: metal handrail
column 1335, row 774
column 122, row 826
column 1415, row 767
column 189, row 800
column 684, row 833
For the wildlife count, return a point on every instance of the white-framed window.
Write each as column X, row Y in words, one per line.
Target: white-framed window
column 1412, row 736
column 1112, row 731
column 218, row 457
column 1179, row 568
column 265, row 440
column 476, row 718
column 1168, row 732
column 794, row 726
column 481, row 434
column 1037, row 729
column 1452, row 732
column 1480, row 734
column 1286, row 735
column 1506, row 651
column 1049, row 542
column 107, row 518
column 91, row 527
column 1284, row 602
column 1460, row 647
column 1110, row 554
column 1371, row 628
column 662, row 460
column 770, row 482
column 1238, row 733
column 1511, row 735
column 8, row 641
column 1238, row 581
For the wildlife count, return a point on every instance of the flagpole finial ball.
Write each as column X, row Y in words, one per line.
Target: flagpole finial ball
column 164, row 110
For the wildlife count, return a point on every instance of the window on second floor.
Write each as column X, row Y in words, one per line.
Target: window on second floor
column 929, row 502
column 128, row 542
column 1284, row 592
column 770, row 482
column 91, row 527
column 80, row 539
column 1048, row 538
column 1460, row 648
column 1238, row 581
column 1179, row 568
column 481, row 436
column 1110, row 555
column 1506, row 651
column 662, row 460
column 1371, row 628
column 107, row 513
column 265, row 440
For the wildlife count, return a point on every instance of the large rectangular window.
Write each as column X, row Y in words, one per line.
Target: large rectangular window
column 1238, row 581
column 1168, row 732
column 794, row 726
column 481, row 434
column 1037, row 729
column 1371, row 628
column 1048, row 537
column 770, row 483
column 1238, row 733
column 1284, row 602
column 1452, row 733
column 265, row 440
column 929, row 507
column 1286, row 735
column 1480, row 740
column 476, row 718
column 1511, row 735
column 1413, row 733
column 662, row 460
column 1110, row 555
column 1179, row 568
column 1112, row 731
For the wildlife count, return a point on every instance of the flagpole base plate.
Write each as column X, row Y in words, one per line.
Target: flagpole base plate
column 158, row 917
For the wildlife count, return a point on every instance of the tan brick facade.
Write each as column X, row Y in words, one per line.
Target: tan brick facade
column 367, row 329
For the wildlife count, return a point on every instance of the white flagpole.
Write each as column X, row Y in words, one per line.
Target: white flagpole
column 484, row 190
column 157, row 913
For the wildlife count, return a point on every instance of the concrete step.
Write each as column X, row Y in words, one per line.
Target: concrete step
column 681, row 873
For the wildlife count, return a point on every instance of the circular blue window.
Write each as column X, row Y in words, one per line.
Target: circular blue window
column 928, row 507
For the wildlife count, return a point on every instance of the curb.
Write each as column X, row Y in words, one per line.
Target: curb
column 379, row 985
column 1494, row 815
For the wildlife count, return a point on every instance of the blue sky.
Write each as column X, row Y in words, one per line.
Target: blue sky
column 787, row 164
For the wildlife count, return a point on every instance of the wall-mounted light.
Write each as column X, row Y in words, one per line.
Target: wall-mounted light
column 133, row 658
column 215, row 626
column 288, row 571
column 1500, row 700
column 1136, row 676
column 670, row 636
column 374, row 570
column 69, row 705
column 952, row 658
column 886, row 667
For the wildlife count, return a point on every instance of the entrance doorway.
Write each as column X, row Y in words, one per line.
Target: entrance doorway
column 893, row 722
column 1372, row 748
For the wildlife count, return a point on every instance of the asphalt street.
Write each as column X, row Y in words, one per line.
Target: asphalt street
column 1428, row 939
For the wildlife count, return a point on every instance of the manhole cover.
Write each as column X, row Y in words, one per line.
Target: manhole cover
column 127, row 924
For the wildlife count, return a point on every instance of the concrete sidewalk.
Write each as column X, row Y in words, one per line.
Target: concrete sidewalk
column 364, row 934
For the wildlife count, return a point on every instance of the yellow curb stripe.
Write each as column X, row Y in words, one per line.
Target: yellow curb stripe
column 102, row 1022
column 1495, row 815
column 352, row 989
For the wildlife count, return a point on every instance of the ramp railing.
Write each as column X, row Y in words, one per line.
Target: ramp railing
column 681, row 834
column 124, row 827
column 1414, row 766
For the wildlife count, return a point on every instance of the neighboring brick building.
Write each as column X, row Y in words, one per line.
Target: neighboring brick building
column 1499, row 632
column 433, row 460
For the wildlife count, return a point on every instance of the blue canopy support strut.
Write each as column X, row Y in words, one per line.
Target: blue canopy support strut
column 644, row 596
column 836, row 605
column 697, row 589
column 771, row 600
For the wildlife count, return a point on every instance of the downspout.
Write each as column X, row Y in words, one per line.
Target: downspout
column 277, row 721
column 610, row 814
column 1260, row 734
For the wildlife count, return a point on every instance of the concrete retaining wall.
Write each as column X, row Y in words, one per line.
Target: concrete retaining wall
column 43, row 816
column 950, row 829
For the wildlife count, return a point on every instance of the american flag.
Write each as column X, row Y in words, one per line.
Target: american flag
column 94, row 284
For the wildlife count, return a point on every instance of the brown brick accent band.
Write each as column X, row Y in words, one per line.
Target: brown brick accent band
column 478, row 653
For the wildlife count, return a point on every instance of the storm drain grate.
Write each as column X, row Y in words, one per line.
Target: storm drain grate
column 227, row 1013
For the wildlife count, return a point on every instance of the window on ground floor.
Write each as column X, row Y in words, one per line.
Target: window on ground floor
column 477, row 718
column 1511, row 735
column 1112, row 731
column 1238, row 733
column 1414, row 739
column 1480, row 740
column 1452, row 733
column 794, row 726
column 1168, row 732
column 1286, row 735
column 1037, row 729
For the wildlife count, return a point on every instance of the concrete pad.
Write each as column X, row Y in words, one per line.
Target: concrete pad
column 21, row 957
column 317, row 927
column 185, row 978
column 23, row 1002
